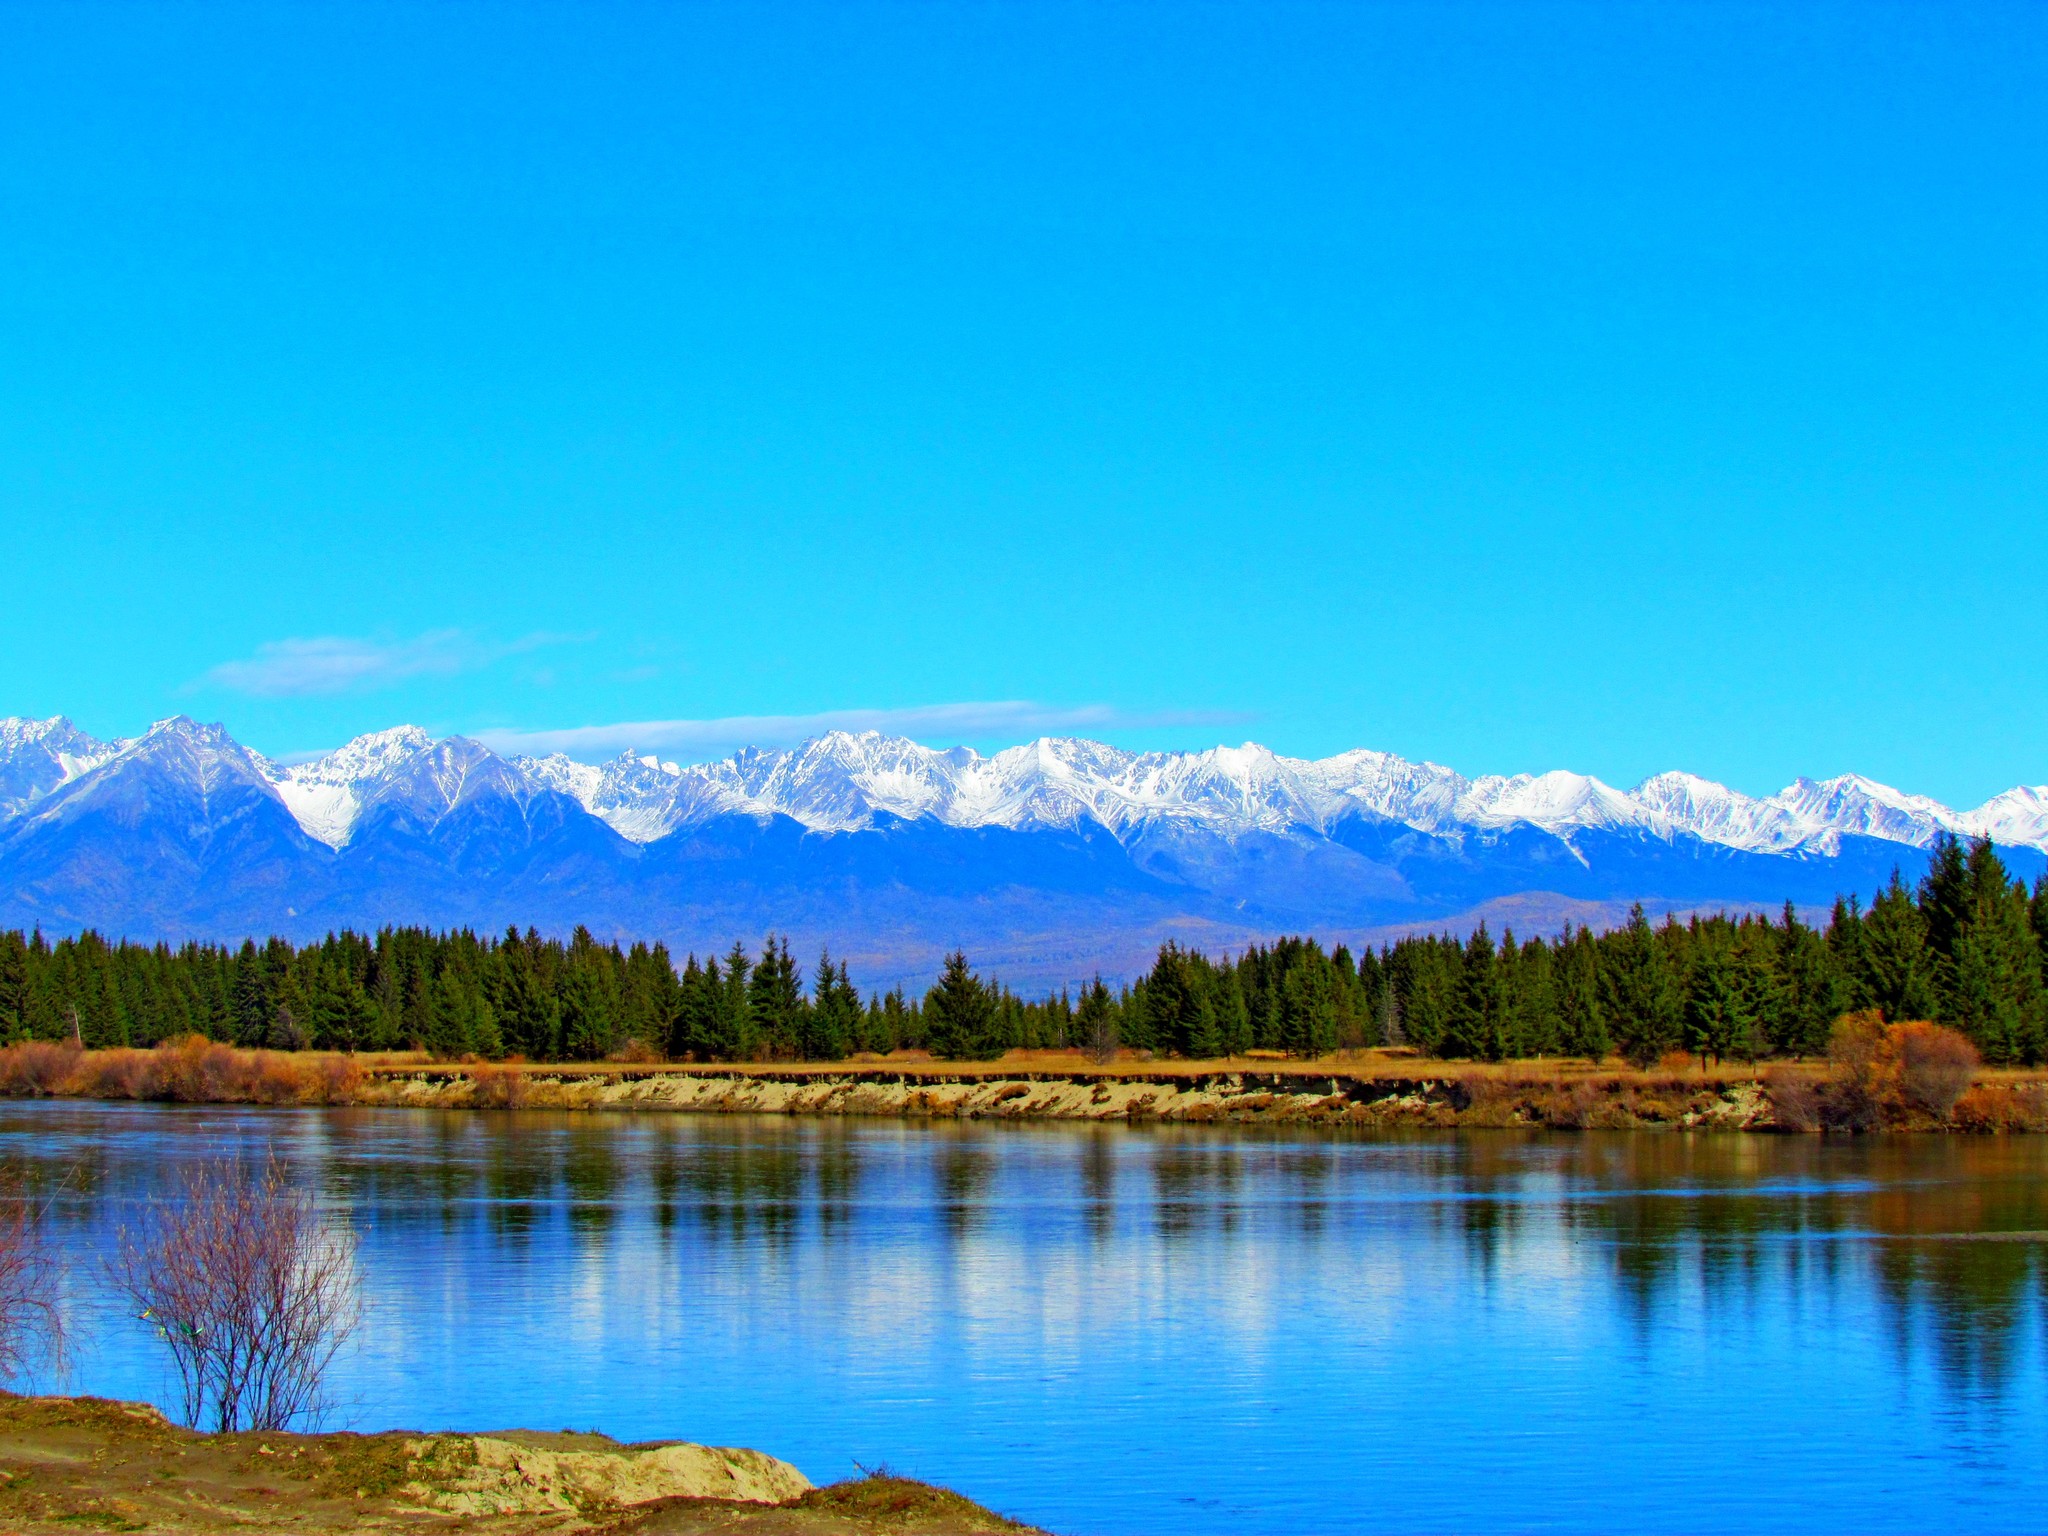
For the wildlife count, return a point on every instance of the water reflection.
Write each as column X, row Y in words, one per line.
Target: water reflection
column 1094, row 1326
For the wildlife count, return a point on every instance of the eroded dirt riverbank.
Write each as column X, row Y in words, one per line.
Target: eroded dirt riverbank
column 1244, row 1097
column 1370, row 1089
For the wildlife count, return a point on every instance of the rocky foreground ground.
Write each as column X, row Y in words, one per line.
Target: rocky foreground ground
column 72, row 1464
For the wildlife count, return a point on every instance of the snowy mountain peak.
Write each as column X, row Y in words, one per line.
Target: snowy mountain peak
column 202, row 754
column 38, row 756
column 327, row 794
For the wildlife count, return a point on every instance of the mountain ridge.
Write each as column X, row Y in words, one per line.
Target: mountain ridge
column 1058, row 852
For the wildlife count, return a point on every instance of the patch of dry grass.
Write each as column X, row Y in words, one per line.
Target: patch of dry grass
column 191, row 1070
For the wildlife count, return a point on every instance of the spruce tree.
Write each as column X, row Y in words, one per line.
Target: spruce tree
column 1233, row 1018
column 1718, row 1019
column 734, row 1032
column 1898, row 968
column 1944, row 900
column 1582, row 1022
column 959, row 1013
column 775, row 1000
column 1639, row 996
column 1095, row 1021
column 1475, row 1010
column 835, row 1012
column 690, row 1031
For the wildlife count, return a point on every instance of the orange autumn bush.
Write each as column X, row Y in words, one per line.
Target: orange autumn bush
column 1878, row 1074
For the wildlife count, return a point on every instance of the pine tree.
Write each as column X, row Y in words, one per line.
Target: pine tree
column 1639, row 996
column 1944, row 900
column 1426, row 1001
column 1475, row 1010
column 1718, row 1018
column 14, row 988
column 1848, row 943
column 775, row 1000
column 1811, row 988
column 1996, row 989
column 1179, row 1009
column 252, row 996
column 328, row 1029
column 590, row 1000
column 835, row 1012
column 1233, row 1018
column 1898, row 968
column 733, row 1036
column 1539, row 1023
column 1095, row 1021
column 960, row 1012
column 1582, row 1022
column 690, row 1032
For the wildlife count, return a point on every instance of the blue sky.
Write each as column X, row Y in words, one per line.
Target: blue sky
column 1613, row 387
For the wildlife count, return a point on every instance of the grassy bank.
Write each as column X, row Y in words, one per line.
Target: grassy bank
column 71, row 1464
column 1367, row 1088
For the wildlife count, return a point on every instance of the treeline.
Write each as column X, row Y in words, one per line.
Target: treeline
column 1968, row 948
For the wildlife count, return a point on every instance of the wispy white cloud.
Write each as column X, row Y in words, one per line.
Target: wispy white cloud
column 322, row 664
column 936, row 724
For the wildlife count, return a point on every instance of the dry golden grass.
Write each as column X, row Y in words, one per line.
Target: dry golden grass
column 190, row 1070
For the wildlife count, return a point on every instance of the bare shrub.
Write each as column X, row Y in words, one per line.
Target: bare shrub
column 1571, row 1109
column 31, row 1320
column 1795, row 1100
column 274, row 1079
column 1934, row 1066
column 1489, row 1101
column 1993, row 1107
column 250, row 1290
column 340, row 1080
column 195, row 1070
column 1675, row 1063
column 635, row 1051
column 119, row 1074
column 38, row 1068
column 1986, row 1110
column 497, row 1088
column 2031, row 1106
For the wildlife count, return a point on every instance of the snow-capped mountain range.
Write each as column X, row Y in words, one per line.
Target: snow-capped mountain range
column 839, row 782
column 182, row 829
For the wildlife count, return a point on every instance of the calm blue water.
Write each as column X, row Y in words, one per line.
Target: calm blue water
column 1110, row 1330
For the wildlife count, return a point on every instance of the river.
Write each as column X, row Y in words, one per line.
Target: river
column 1110, row 1330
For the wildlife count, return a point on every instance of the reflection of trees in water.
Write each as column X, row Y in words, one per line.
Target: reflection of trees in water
column 1971, row 1297
column 518, row 1176
column 746, row 1184
column 1307, row 1172
column 665, row 1181
column 1736, row 1215
column 835, row 1159
column 1097, row 1157
column 1196, row 1186
column 964, row 1167
column 590, row 1174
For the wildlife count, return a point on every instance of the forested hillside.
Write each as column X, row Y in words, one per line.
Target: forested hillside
column 1966, row 948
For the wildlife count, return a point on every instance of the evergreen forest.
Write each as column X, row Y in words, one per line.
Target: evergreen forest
column 1967, row 947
